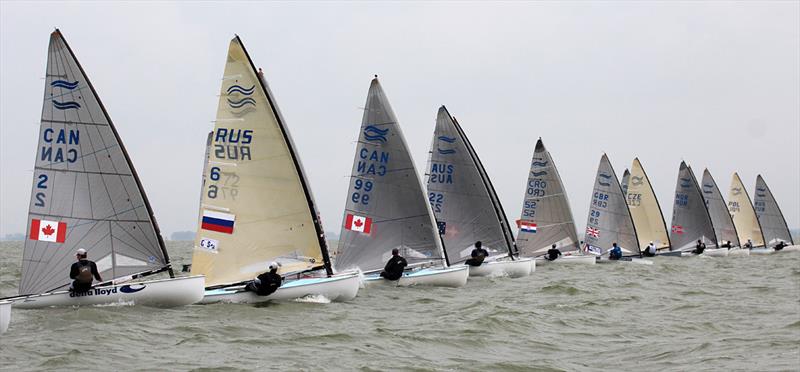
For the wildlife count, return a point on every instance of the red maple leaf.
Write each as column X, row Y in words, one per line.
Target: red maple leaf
column 47, row 230
column 357, row 223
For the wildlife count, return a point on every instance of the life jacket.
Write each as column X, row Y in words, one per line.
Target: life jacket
column 85, row 273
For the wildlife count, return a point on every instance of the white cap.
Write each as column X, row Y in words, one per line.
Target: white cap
column 651, row 242
column 80, row 251
column 273, row 265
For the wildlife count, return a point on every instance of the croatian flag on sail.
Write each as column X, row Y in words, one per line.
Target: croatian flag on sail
column 358, row 223
column 593, row 232
column 526, row 226
column 48, row 231
column 218, row 221
column 678, row 229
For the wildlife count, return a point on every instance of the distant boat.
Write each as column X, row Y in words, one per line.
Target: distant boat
column 546, row 216
column 769, row 214
column 465, row 204
column 256, row 204
column 721, row 219
column 387, row 207
column 626, row 175
column 610, row 219
column 645, row 210
column 744, row 216
column 691, row 220
column 86, row 194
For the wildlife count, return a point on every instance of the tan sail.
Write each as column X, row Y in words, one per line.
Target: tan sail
column 254, row 207
column 645, row 210
column 743, row 213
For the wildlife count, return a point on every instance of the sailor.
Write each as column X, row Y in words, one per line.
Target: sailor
column 83, row 272
column 553, row 253
column 394, row 268
column 266, row 283
column 650, row 251
column 781, row 244
column 727, row 245
column 478, row 255
column 699, row 247
column 749, row 243
column 615, row 253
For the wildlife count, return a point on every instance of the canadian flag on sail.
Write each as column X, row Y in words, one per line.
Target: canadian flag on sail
column 49, row 231
column 358, row 223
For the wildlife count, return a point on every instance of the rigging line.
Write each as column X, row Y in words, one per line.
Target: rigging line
column 81, row 172
column 128, row 233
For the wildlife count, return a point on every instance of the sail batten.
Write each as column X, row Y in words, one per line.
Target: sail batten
column 86, row 192
column 386, row 205
column 546, row 216
column 645, row 209
column 769, row 214
column 609, row 218
column 743, row 214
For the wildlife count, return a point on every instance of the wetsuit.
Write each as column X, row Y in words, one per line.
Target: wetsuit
column 82, row 273
column 699, row 248
column 552, row 254
column 394, row 268
column 780, row 246
column 478, row 255
column 615, row 253
column 265, row 284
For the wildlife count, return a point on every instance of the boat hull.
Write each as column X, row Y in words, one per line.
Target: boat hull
column 761, row 251
column 514, row 269
column 575, row 259
column 626, row 260
column 341, row 287
column 738, row 252
column 791, row 248
column 454, row 276
column 5, row 316
column 718, row 252
column 155, row 293
column 670, row 254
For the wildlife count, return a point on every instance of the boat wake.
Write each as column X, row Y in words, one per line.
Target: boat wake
column 314, row 299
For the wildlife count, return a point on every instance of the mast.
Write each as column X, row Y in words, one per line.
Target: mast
column 125, row 155
column 323, row 244
column 498, row 208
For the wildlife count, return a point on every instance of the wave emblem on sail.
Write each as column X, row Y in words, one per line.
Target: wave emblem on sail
column 64, row 84
column 685, row 182
column 604, row 179
column 636, row 181
column 446, row 140
column 375, row 134
column 66, row 105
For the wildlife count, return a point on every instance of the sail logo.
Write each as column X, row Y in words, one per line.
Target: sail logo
column 64, row 84
column 637, row 180
column 736, row 191
column 375, row 134
column 538, row 174
column 48, row 231
column 685, row 182
column 605, row 177
column 241, row 90
column 539, row 163
column 131, row 289
column 709, row 187
column 591, row 231
column 447, row 140
column 761, row 192
column 66, row 105
column 95, row 292
column 360, row 224
column 241, row 103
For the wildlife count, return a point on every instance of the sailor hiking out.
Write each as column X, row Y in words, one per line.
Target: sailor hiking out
column 266, row 283
column 395, row 266
column 478, row 255
column 699, row 247
column 553, row 253
column 615, row 253
column 650, row 251
column 83, row 272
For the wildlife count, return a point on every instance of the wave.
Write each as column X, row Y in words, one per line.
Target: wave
column 241, row 102
column 64, row 84
column 539, row 164
column 447, row 139
column 66, row 105
column 538, row 174
column 240, row 89
column 373, row 133
column 446, row 151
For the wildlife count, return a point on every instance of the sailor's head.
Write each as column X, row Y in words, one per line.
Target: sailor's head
column 273, row 266
column 478, row 244
column 80, row 253
column 651, row 242
column 614, row 244
column 395, row 251
column 554, row 245
column 698, row 240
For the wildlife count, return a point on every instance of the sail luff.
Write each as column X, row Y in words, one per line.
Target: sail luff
column 487, row 183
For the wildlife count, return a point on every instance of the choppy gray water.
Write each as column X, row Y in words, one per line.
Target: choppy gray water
column 678, row 314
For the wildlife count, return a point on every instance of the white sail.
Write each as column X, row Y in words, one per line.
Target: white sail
column 256, row 206
column 645, row 210
column 743, row 214
column 690, row 218
column 609, row 219
column 773, row 224
column 724, row 228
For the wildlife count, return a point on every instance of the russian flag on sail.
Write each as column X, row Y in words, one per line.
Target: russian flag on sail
column 526, row 226
column 49, row 231
column 218, row 221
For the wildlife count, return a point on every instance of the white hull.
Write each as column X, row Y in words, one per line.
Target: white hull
column 738, row 252
column 626, row 260
column 761, row 251
column 716, row 252
column 791, row 248
column 454, row 276
column 515, row 269
column 5, row 316
column 576, row 259
column 340, row 287
column 157, row 293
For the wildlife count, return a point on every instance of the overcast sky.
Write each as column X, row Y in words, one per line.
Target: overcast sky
column 714, row 83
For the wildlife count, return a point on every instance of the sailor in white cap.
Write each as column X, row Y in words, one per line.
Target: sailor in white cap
column 266, row 283
column 83, row 272
column 650, row 251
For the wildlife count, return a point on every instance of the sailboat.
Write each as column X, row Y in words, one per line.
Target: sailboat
column 744, row 217
column 610, row 219
column 626, row 175
column 691, row 220
column 721, row 219
column 86, row 194
column 465, row 204
column 546, row 217
column 387, row 207
column 257, row 205
column 5, row 315
column 769, row 214
column 645, row 210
